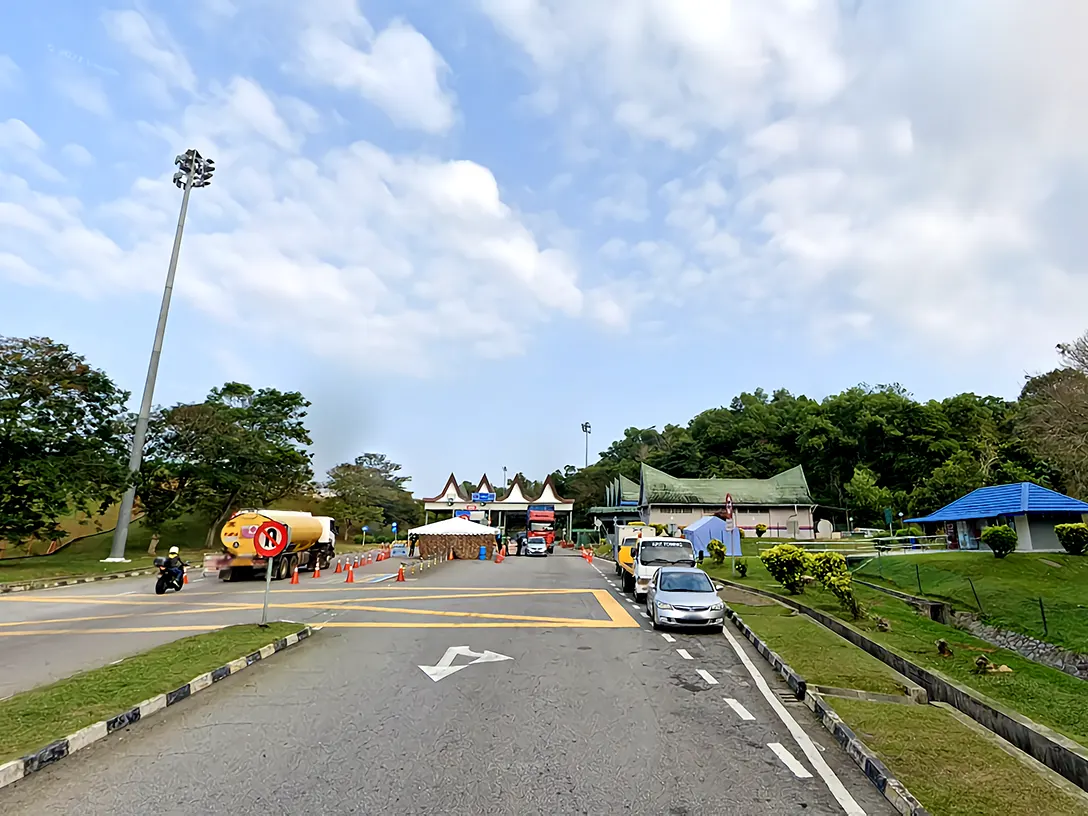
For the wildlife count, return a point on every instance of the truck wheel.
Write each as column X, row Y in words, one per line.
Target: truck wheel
column 279, row 568
column 292, row 564
column 226, row 574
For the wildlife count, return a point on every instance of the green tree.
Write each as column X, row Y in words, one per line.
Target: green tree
column 370, row 491
column 241, row 447
column 62, row 442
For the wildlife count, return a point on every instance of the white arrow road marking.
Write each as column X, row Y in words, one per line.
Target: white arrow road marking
column 445, row 667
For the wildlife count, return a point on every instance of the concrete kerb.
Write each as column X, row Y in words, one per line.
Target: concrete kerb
column 29, row 586
column 17, row 769
column 1059, row 753
column 875, row 771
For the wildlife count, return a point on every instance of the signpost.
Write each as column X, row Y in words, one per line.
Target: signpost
column 394, row 526
column 269, row 541
column 366, row 529
column 888, row 519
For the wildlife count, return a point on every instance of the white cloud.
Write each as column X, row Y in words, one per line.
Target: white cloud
column 398, row 70
column 844, row 165
column 84, row 92
column 77, row 154
column 9, row 71
column 154, row 47
column 20, row 144
column 382, row 260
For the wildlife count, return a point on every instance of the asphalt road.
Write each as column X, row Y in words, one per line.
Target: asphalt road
column 593, row 713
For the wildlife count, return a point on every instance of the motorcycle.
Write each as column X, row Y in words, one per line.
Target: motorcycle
column 167, row 578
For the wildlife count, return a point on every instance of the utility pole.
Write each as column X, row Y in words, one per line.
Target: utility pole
column 194, row 171
column 587, row 430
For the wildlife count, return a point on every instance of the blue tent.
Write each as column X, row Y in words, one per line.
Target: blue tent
column 701, row 532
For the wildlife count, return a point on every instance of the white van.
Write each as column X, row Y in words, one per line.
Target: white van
column 653, row 554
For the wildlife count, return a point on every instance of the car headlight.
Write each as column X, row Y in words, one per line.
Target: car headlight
column 717, row 607
column 663, row 605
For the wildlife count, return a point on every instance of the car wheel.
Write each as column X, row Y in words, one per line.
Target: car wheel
column 653, row 618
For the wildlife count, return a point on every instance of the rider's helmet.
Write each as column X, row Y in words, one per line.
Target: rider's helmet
column 174, row 551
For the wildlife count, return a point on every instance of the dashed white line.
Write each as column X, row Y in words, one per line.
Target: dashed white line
column 703, row 673
column 834, row 784
column 742, row 712
column 684, row 654
column 789, row 760
column 668, row 637
column 644, row 614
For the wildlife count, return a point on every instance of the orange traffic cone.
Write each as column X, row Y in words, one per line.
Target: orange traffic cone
column 185, row 574
column 339, row 568
column 400, row 573
column 589, row 556
column 356, row 562
column 294, row 575
column 500, row 557
column 317, row 569
column 351, row 575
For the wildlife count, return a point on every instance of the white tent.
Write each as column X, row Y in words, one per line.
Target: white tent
column 455, row 526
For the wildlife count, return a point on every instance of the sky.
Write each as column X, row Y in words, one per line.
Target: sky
column 462, row 229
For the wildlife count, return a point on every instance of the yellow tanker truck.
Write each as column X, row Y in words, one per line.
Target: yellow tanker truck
column 312, row 542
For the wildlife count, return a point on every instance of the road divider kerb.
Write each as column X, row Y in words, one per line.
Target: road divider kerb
column 29, row 586
column 17, row 769
column 875, row 771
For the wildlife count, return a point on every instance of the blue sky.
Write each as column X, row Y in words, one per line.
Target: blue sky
column 462, row 229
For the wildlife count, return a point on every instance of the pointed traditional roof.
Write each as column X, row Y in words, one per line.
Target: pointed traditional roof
column 452, row 490
column 549, row 495
column 484, row 483
column 787, row 487
column 516, row 493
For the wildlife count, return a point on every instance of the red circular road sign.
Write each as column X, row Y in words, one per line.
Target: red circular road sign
column 270, row 539
column 728, row 505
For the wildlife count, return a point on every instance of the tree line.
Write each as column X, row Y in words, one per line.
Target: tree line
column 65, row 435
column 871, row 447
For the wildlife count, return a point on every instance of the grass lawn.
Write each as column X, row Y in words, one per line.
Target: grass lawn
column 1008, row 589
column 951, row 768
column 35, row 718
column 817, row 654
column 1046, row 695
column 83, row 558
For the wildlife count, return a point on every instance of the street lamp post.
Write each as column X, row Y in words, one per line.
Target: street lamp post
column 193, row 171
column 587, row 430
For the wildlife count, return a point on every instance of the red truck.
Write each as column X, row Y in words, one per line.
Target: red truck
column 540, row 521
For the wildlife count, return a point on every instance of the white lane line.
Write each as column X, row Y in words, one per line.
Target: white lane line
column 668, row 637
column 644, row 614
column 742, row 712
column 789, row 760
column 703, row 673
column 838, row 790
column 684, row 654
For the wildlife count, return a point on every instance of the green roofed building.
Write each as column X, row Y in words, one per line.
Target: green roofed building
column 782, row 502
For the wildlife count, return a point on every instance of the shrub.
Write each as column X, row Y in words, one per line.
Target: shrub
column 741, row 532
column 1072, row 537
column 661, row 529
column 761, row 530
column 825, row 564
column 742, row 568
column 787, row 565
column 1001, row 538
column 716, row 550
column 358, row 539
column 841, row 585
column 907, row 532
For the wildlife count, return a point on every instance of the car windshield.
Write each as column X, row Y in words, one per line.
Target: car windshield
column 651, row 554
column 685, row 582
column 536, row 540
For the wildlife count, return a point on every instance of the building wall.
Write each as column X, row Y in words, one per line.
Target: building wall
column 782, row 522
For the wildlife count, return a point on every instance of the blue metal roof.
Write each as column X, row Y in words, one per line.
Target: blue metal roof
column 1006, row 500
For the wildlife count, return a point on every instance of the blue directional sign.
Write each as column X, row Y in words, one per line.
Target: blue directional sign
column 483, row 498
column 394, row 528
column 366, row 528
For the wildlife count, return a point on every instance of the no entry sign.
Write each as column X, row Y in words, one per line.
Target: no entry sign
column 270, row 539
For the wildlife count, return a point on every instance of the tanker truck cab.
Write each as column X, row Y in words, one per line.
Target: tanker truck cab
column 648, row 556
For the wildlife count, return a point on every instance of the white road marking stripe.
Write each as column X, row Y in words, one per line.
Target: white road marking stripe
column 707, row 676
column 644, row 615
column 668, row 637
column 742, row 712
column 684, row 654
column 789, row 760
column 838, row 790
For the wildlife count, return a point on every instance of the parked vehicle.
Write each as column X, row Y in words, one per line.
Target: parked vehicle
column 647, row 556
column 536, row 545
column 313, row 543
column 684, row 597
column 168, row 578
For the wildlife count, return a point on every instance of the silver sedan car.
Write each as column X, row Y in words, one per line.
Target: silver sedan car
column 684, row 597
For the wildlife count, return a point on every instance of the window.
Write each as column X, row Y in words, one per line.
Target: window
column 685, row 582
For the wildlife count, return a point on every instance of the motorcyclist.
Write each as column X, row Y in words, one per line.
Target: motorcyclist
column 174, row 565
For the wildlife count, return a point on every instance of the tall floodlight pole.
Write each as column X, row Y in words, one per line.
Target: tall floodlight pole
column 587, row 430
column 193, row 171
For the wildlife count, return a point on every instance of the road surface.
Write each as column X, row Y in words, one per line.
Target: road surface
column 567, row 703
